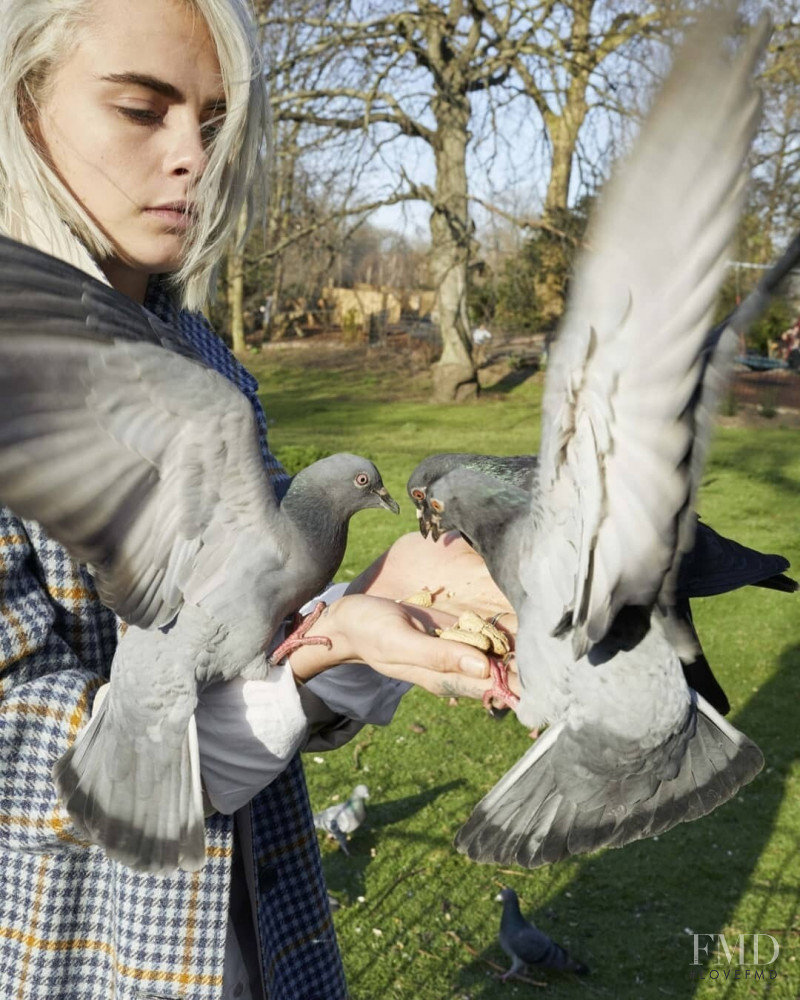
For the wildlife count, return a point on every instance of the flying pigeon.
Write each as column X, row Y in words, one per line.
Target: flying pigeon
column 493, row 517
column 631, row 390
column 147, row 466
column 525, row 944
column 344, row 817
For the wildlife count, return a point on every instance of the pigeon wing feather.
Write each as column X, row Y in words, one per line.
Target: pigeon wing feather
column 145, row 464
column 617, row 424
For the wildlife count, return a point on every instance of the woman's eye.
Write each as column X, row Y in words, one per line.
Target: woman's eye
column 210, row 129
column 142, row 116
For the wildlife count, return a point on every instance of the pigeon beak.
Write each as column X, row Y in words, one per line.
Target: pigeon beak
column 424, row 526
column 498, row 898
column 386, row 500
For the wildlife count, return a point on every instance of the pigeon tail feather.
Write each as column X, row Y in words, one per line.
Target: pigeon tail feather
column 779, row 582
column 568, row 795
column 152, row 820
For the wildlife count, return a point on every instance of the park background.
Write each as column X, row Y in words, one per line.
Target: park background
column 435, row 165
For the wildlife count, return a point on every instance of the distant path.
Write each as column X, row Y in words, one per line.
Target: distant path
column 779, row 389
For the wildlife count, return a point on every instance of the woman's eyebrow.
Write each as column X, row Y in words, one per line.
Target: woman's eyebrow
column 145, row 80
column 168, row 90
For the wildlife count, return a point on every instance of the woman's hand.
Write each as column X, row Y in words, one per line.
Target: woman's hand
column 450, row 569
column 369, row 625
column 396, row 640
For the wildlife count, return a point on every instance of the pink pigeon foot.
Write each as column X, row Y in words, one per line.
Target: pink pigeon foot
column 298, row 637
column 500, row 689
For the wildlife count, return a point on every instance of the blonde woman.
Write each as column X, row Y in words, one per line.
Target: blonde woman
column 129, row 142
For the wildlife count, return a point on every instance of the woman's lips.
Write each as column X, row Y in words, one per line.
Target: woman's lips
column 174, row 216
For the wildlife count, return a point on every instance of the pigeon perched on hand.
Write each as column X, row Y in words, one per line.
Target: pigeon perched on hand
column 631, row 390
column 342, row 818
column 714, row 565
column 147, row 466
column 513, row 470
column 526, row 945
column 493, row 516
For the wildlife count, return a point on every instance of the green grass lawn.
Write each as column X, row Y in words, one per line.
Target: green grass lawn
column 418, row 920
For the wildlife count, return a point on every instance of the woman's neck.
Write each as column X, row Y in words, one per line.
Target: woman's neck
column 124, row 279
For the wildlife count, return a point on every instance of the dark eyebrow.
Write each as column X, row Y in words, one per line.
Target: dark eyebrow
column 143, row 80
column 161, row 87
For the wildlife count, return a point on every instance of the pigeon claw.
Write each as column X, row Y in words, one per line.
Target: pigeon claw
column 499, row 691
column 298, row 637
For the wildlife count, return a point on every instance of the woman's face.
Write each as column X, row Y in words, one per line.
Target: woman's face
column 126, row 120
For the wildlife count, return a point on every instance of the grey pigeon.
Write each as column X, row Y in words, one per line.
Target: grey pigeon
column 514, row 470
column 344, row 817
column 493, row 516
column 147, row 466
column 714, row 565
column 526, row 945
column 631, row 391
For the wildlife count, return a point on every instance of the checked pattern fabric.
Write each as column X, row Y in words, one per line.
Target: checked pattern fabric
column 73, row 924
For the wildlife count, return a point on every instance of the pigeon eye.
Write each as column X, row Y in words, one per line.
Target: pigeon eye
column 437, row 506
column 418, row 494
column 362, row 479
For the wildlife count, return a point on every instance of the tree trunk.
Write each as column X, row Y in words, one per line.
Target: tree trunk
column 563, row 130
column 282, row 200
column 236, row 288
column 454, row 375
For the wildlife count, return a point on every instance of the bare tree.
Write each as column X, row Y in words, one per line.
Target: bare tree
column 388, row 72
column 777, row 148
column 305, row 220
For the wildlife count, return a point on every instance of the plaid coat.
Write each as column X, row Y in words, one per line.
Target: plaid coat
column 73, row 924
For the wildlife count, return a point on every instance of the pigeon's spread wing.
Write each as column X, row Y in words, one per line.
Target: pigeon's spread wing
column 619, row 424
column 143, row 463
column 720, row 347
column 576, row 791
column 716, row 565
column 40, row 293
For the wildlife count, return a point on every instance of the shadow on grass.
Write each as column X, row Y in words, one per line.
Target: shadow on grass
column 691, row 880
column 345, row 874
column 768, row 464
column 512, row 379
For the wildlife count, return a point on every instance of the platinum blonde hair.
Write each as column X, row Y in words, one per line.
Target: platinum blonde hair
column 35, row 206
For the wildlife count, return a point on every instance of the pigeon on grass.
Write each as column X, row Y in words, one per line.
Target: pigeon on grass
column 147, row 466
column 526, row 945
column 632, row 384
column 344, row 817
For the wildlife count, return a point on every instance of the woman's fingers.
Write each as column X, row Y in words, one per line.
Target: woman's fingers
column 446, row 685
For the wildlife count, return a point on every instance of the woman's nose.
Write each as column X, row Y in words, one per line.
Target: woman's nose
column 187, row 154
